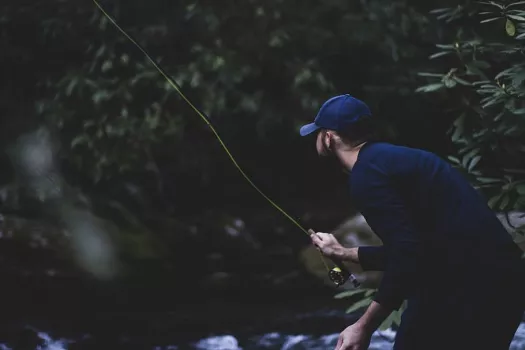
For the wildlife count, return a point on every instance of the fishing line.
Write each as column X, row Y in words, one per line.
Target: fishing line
column 338, row 275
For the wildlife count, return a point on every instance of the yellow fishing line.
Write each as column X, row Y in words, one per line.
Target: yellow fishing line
column 173, row 84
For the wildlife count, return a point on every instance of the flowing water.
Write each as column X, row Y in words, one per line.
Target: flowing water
column 290, row 339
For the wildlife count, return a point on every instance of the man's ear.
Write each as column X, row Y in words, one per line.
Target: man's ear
column 327, row 140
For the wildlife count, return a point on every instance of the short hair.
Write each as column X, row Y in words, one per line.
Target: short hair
column 366, row 129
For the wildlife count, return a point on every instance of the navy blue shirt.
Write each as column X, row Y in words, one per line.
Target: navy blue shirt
column 432, row 222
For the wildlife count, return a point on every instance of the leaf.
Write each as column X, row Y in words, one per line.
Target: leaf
column 517, row 18
column 80, row 139
column 504, row 202
column 473, row 163
column 488, row 180
column 437, row 75
column 71, row 86
column 106, row 66
column 521, row 189
column 490, row 20
column 445, row 46
column 398, row 313
column 359, row 305
column 439, row 54
column 510, row 28
column 454, row 159
column 430, row 87
column 492, row 3
column 369, row 292
column 449, row 83
column 348, row 293
column 441, row 10
column 101, row 95
column 494, row 200
column 461, row 81
column 519, row 111
column 388, row 322
column 516, row 3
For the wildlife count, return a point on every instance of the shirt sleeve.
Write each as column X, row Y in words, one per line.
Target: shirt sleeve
column 371, row 258
column 384, row 209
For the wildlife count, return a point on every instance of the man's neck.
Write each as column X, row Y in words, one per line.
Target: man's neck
column 349, row 156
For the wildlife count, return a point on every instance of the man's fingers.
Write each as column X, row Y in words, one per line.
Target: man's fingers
column 339, row 343
column 343, row 346
column 316, row 240
column 322, row 236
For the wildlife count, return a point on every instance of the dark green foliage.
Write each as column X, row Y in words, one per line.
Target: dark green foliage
column 479, row 75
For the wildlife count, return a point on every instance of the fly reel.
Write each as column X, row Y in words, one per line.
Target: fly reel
column 339, row 277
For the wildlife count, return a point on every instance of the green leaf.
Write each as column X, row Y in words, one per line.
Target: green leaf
column 494, row 200
column 490, row 20
column 388, row 322
column 510, row 28
column 517, row 18
column 473, row 163
column 80, row 139
column 449, row 83
column 441, row 10
column 398, row 314
column 492, row 3
column 488, row 180
column 430, row 87
column 520, row 189
column 439, row 54
column 106, row 66
column 71, row 86
column 369, row 292
column 504, row 202
column 454, row 160
column 461, row 81
column 359, row 305
column 348, row 293
column 437, row 75
column 516, row 3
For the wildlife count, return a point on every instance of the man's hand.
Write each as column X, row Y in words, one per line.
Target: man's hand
column 328, row 245
column 354, row 337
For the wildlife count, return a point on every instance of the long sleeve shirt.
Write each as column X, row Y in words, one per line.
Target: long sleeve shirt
column 430, row 219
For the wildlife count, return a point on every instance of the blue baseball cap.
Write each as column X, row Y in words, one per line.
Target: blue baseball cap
column 337, row 114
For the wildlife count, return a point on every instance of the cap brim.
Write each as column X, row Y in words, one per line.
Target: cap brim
column 308, row 129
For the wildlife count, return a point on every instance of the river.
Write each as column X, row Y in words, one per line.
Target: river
column 318, row 332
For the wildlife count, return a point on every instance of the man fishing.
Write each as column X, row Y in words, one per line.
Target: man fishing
column 444, row 250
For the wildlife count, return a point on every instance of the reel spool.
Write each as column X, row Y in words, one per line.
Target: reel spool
column 339, row 277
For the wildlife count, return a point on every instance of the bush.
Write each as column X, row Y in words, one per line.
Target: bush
column 478, row 75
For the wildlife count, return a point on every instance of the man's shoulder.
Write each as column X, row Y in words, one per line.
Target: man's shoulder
column 385, row 151
column 381, row 152
column 391, row 159
column 392, row 147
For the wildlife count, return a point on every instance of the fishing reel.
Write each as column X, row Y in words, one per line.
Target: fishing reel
column 339, row 276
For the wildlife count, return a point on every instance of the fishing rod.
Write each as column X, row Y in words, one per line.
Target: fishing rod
column 340, row 274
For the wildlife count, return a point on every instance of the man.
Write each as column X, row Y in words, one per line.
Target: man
column 444, row 250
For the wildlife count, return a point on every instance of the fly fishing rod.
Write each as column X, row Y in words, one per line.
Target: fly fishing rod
column 340, row 274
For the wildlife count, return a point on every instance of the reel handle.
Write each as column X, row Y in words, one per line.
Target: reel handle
column 339, row 274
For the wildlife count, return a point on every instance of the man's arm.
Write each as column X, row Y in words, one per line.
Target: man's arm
column 371, row 258
column 373, row 317
column 384, row 210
